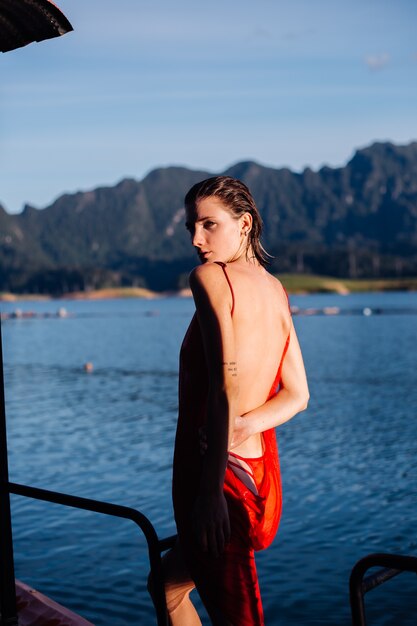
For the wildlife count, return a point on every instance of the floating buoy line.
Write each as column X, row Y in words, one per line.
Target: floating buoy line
column 62, row 313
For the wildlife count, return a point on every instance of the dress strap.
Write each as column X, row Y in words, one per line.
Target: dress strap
column 223, row 266
column 287, row 343
column 277, row 380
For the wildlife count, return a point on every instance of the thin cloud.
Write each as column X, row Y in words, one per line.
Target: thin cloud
column 298, row 34
column 261, row 33
column 376, row 62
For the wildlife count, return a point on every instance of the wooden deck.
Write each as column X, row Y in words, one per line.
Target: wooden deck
column 35, row 609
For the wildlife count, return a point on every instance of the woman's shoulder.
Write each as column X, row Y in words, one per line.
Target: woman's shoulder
column 205, row 274
column 208, row 281
column 274, row 281
column 280, row 294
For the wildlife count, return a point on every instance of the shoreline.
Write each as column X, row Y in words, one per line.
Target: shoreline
column 295, row 284
column 303, row 284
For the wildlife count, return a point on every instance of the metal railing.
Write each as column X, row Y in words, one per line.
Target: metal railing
column 8, row 609
column 155, row 545
column 389, row 565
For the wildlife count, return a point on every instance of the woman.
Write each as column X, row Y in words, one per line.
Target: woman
column 239, row 348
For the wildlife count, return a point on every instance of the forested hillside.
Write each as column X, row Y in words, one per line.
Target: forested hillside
column 359, row 220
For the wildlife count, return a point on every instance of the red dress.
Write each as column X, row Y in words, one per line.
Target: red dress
column 228, row 585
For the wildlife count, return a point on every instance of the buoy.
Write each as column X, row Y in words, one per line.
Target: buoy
column 88, row 367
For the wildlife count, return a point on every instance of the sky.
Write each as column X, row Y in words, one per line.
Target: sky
column 141, row 84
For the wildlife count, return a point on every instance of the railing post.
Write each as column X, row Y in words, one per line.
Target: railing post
column 389, row 565
column 357, row 602
column 8, row 609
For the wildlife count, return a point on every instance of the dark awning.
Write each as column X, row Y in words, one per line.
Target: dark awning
column 25, row 21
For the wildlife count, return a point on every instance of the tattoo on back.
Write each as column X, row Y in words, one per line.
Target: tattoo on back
column 231, row 367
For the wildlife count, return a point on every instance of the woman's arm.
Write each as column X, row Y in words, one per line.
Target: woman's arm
column 292, row 398
column 213, row 303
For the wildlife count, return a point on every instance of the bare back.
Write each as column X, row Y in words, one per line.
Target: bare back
column 261, row 322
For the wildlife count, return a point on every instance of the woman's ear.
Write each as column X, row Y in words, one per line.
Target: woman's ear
column 246, row 223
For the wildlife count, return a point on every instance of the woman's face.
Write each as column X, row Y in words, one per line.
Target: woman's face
column 215, row 233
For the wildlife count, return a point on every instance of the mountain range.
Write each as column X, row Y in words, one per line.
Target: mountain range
column 359, row 220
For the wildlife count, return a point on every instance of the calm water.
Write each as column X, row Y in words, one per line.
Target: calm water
column 349, row 463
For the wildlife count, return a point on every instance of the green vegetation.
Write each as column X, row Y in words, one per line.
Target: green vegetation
column 355, row 221
column 310, row 283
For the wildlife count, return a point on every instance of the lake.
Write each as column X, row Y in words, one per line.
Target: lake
column 349, row 463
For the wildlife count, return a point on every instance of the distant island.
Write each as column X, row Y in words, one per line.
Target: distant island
column 332, row 229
